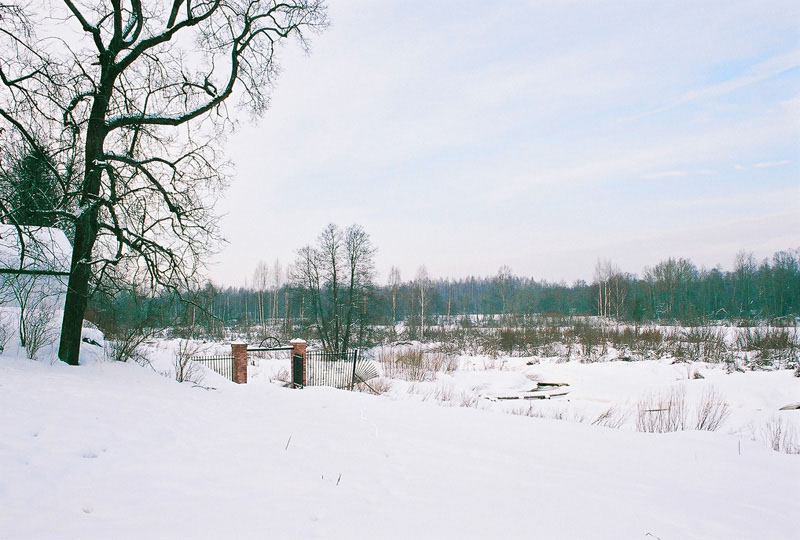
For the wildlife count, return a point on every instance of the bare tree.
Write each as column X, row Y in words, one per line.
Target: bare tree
column 503, row 284
column 277, row 283
column 336, row 276
column 394, row 284
column 260, row 284
column 449, row 299
column 130, row 100
column 423, row 283
column 611, row 288
column 744, row 272
column 669, row 282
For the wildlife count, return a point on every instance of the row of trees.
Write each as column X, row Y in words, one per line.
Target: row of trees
column 675, row 289
column 330, row 293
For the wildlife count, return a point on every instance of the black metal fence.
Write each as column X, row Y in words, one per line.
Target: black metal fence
column 331, row 369
column 222, row 364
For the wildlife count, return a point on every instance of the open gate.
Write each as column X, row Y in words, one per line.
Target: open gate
column 320, row 368
column 337, row 369
column 297, row 370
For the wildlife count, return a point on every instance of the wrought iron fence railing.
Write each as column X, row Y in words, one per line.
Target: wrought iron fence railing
column 222, row 364
column 331, row 369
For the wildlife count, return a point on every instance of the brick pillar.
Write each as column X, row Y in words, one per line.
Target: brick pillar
column 299, row 347
column 239, row 362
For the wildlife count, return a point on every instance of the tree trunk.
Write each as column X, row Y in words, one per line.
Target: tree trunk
column 422, row 313
column 86, row 226
column 77, row 290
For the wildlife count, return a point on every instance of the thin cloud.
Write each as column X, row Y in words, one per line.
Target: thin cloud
column 763, row 70
column 676, row 174
column 664, row 174
column 769, row 164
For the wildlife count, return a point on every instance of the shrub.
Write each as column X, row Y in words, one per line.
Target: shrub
column 39, row 330
column 375, row 386
column 712, row 411
column 185, row 369
column 414, row 364
column 591, row 338
column 127, row 345
column 469, row 398
column 510, row 340
column 769, row 344
column 283, row 376
column 612, row 417
column 704, row 343
column 780, row 436
column 5, row 330
column 662, row 413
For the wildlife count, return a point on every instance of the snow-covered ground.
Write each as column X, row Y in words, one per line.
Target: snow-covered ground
column 113, row 450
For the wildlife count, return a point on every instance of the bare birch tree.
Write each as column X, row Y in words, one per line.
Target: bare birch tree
column 394, row 285
column 503, row 284
column 423, row 283
column 277, row 283
column 612, row 288
column 261, row 278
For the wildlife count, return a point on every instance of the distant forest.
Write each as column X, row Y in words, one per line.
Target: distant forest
column 674, row 290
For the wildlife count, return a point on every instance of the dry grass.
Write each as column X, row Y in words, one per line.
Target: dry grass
column 768, row 339
column 663, row 412
column 780, row 436
column 613, row 417
column 712, row 411
column 770, row 345
column 705, row 343
column 283, row 376
column 533, row 411
column 375, row 386
column 415, row 364
column 469, row 398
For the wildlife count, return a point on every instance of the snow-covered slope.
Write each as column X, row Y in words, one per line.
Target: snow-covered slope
column 117, row 451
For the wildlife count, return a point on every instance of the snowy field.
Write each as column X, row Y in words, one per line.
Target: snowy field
column 114, row 450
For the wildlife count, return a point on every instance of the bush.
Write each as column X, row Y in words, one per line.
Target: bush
column 591, row 338
column 414, row 364
column 662, row 413
column 38, row 330
column 712, row 411
column 185, row 369
column 780, row 436
column 127, row 345
column 5, row 330
column 612, row 417
column 375, row 386
column 769, row 344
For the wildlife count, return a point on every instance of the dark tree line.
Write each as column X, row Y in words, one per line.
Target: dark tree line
column 674, row 290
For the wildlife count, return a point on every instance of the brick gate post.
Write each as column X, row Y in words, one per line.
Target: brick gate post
column 299, row 380
column 239, row 350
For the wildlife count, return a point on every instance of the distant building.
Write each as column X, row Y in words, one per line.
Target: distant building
column 36, row 260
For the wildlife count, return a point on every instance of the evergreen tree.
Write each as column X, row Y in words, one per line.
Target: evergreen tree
column 31, row 189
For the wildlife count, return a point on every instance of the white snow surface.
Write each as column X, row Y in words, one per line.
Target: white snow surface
column 112, row 450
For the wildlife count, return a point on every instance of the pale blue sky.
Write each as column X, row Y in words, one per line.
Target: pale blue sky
column 541, row 135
